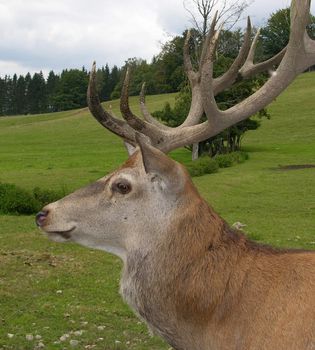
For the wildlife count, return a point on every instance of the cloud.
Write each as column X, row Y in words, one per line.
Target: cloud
column 260, row 11
column 58, row 34
column 55, row 34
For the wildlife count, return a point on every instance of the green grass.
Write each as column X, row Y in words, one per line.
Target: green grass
column 62, row 150
column 69, row 150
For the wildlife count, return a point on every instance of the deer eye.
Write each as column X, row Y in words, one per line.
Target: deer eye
column 122, row 187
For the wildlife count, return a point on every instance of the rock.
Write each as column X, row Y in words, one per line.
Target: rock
column 74, row 342
column 80, row 332
column 238, row 225
column 64, row 337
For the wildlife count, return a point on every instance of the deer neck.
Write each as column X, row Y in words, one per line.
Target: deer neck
column 179, row 280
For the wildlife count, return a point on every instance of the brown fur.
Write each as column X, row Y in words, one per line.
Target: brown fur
column 208, row 287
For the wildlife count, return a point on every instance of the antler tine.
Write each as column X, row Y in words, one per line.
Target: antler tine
column 228, row 78
column 130, row 118
column 300, row 39
column 296, row 59
column 154, row 131
column 214, row 42
column 154, row 134
column 111, row 123
column 208, row 50
column 145, row 112
column 207, row 45
column 196, row 108
column 251, row 54
column 206, row 72
column 191, row 74
column 243, row 67
column 249, row 70
column 299, row 43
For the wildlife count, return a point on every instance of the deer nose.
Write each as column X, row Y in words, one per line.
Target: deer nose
column 41, row 218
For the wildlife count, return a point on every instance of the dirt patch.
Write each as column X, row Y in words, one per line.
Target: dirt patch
column 31, row 259
column 294, row 167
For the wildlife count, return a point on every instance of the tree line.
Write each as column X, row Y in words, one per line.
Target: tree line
column 34, row 94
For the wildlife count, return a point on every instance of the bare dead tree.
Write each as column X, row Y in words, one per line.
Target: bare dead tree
column 227, row 12
column 201, row 12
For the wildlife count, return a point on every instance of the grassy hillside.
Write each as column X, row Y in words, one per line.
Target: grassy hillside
column 52, row 290
column 66, row 149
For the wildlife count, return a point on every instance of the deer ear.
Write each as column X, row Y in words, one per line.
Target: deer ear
column 156, row 162
column 131, row 149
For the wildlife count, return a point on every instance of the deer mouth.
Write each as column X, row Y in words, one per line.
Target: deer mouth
column 66, row 234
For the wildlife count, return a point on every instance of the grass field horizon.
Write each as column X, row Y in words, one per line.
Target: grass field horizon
column 52, row 290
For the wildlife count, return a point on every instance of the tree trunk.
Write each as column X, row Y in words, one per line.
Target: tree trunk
column 195, row 151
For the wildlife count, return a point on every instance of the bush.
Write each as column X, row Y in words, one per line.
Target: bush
column 201, row 166
column 227, row 160
column 240, row 157
column 224, row 160
column 206, row 165
column 15, row 200
column 46, row 196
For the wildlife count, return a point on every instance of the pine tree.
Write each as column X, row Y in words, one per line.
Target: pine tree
column 21, row 96
column 71, row 91
column 106, row 88
column 7, row 100
column 37, row 94
column 2, row 96
column 51, row 89
column 13, row 96
column 28, row 80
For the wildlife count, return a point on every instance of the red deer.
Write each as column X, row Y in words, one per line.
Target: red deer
column 194, row 280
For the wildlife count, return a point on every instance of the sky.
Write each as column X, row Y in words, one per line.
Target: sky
column 56, row 34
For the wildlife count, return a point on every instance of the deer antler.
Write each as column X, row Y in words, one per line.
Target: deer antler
column 294, row 59
column 125, row 129
column 110, row 122
column 299, row 55
column 145, row 112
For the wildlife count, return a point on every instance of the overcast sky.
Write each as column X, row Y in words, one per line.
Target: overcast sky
column 55, row 34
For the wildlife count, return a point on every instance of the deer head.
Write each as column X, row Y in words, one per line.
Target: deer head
column 191, row 278
column 106, row 215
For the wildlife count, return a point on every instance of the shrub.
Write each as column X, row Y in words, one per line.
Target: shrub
column 206, row 165
column 201, row 166
column 224, row 160
column 46, row 196
column 240, row 157
column 15, row 200
column 227, row 160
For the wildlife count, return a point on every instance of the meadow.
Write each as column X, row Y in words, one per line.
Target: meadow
column 57, row 296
